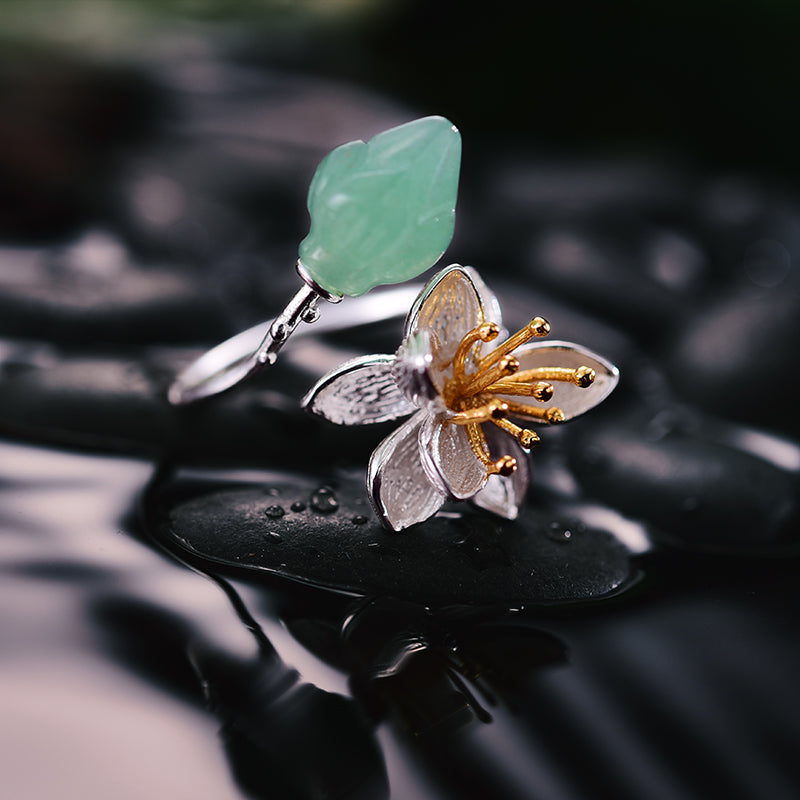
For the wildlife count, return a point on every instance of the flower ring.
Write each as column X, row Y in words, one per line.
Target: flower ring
column 460, row 443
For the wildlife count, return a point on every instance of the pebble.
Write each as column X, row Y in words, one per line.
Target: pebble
column 466, row 557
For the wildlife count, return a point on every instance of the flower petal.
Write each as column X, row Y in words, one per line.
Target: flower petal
column 447, row 308
column 448, row 458
column 489, row 301
column 360, row 391
column 413, row 370
column 399, row 491
column 571, row 399
column 503, row 496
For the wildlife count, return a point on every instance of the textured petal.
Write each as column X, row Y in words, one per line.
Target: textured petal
column 571, row 399
column 358, row 392
column 448, row 459
column 413, row 370
column 399, row 490
column 489, row 301
column 503, row 496
column 447, row 308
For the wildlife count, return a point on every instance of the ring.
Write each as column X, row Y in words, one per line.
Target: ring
column 382, row 212
column 459, row 442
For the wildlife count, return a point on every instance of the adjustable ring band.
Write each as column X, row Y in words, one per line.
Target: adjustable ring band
column 243, row 355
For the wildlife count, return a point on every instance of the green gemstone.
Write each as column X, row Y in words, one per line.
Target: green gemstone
column 383, row 211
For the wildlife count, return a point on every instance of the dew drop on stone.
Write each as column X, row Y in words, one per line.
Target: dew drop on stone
column 359, row 519
column 298, row 505
column 324, row 500
column 276, row 537
column 559, row 532
column 274, row 512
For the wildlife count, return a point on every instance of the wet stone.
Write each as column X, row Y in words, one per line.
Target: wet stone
column 692, row 490
column 92, row 289
column 644, row 279
column 114, row 404
column 741, row 344
column 324, row 500
column 464, row 557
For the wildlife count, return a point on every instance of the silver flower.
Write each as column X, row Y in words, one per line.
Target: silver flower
column 460, row 443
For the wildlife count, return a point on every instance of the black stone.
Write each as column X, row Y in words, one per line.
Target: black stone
column 120, row 403
column 464, row 557
column 93, row 291
column 738, row 358
column 694, row 491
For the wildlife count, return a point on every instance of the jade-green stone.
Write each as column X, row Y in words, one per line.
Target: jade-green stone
column 383, row 211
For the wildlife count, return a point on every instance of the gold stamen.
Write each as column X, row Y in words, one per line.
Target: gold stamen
column 552, row 415
column 526, row 437
column 582, row 376
column 538, row 391
column 491, row 411
column 505, row 466
column 507, row 365
column 486, row 332
column 538, row 326
column 477, row 441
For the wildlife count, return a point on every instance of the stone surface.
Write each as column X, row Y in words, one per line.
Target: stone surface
column 693, row 490
column 460, row 557
column 383, row 211
column 119, row 404
column 93, row 289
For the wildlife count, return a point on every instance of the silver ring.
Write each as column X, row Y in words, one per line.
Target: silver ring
column 247, row 353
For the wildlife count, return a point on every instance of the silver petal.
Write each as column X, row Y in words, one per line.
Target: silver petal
column 447, row 308
column 503, row 496
column 398, row 488
column 360, row 391
column 413, row 370
column 448, row 459
column 571, row 399
column 489, row 301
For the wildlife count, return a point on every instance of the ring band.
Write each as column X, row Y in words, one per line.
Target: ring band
column 248, row 352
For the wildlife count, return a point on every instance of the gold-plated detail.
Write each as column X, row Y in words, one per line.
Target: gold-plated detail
column 538, row 326
column 553, row 415
column 477, row 382
column 477, row 441
column 538, row 391
column 505, row 466
column 526, row 437
column 493, row 410
column 543, row 392
column 486, row 332
column 472, row 393
column 582, row 376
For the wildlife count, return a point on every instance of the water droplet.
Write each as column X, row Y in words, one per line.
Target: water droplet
column 359, row 519
column 298, row 505
column 324, row 500
column 559, row 532
column 275, row 536
column 274, row 512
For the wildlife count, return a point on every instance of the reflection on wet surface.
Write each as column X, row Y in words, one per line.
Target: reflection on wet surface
column 223, row 686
